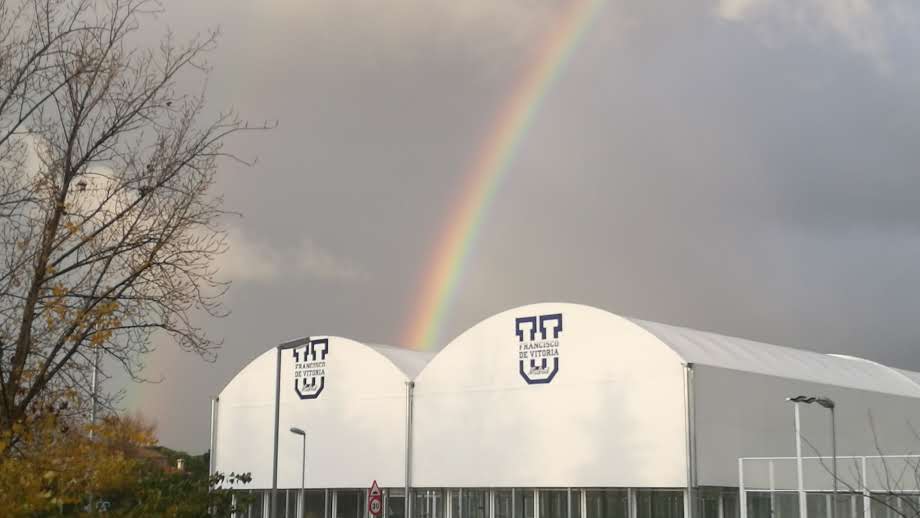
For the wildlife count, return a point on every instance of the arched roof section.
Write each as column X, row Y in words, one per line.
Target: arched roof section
column 551, row 395
column 913, row 376
column 348, row 396
column 715, row 350
column 407, row 361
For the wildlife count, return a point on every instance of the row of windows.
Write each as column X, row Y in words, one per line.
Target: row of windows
column 785, row 504
column 476, row 503
column 574, row 503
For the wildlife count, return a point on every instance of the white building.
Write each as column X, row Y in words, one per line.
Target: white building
column 557, row 411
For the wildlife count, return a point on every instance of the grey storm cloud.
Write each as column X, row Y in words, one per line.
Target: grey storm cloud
column 741, row 166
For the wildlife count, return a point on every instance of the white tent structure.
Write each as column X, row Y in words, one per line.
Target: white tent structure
column 349, row 397
column 557, row 411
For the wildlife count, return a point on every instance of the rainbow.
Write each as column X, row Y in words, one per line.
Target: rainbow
column 438, row 285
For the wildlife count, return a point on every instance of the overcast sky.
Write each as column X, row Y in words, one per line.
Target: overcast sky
column 748, row 167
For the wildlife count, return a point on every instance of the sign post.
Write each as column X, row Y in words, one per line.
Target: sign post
column 375, row 500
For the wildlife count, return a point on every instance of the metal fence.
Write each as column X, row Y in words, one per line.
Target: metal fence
column 871, row 486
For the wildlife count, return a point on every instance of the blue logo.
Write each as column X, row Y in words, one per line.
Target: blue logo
column 538, row 357
column 310, row 368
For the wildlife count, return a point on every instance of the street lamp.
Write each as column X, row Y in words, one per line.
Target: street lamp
column 303, row 468
column 273, row 501
column 829, row 404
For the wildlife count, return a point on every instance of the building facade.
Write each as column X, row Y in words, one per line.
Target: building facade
column 555, row 411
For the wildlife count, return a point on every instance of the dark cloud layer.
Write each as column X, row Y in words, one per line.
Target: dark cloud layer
column 747, row 167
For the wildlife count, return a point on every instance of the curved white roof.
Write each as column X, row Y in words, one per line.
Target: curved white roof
column 408, row 361
column 351, row 400
column 704, row 348
column 914, row 376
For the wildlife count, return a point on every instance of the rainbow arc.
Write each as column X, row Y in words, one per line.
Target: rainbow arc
column 439, row 282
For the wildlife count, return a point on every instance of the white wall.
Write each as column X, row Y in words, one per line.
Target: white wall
column 741, row 414
column 245, row 413
column 613, row 415
column 355, row 427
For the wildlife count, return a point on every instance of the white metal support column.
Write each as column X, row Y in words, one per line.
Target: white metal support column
column 632, row 502
column 772, row 489
column 407, row 489
column 742, row 494
column 803, row 499
column 212, row 455
column 864, row 482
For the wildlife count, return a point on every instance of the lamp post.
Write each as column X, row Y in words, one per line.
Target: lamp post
column 273, row 500
column 803, row 502
column 303, row 468
column 829, row 404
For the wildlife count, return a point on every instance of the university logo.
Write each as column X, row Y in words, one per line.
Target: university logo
column 538, row 347
column 310, row 368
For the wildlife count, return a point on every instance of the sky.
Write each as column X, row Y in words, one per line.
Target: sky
column 747, row 167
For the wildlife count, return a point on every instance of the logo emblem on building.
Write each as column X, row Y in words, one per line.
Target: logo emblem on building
column 310, row 368
column 538, row 347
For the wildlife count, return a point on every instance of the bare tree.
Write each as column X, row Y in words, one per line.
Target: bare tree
column 108, row 227
column 893, row 480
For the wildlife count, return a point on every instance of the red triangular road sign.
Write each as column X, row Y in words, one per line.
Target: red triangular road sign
column 375, row 500
column 375, row 490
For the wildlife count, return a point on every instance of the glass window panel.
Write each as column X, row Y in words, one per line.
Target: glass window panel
column 428, row 503
column 818, row 504
column 290, row 507
column 907, row 505
column 316, row 503
column 475, row 503
column 730, row 508
column 554, row 504
column 758, row 505
column 786, row 505
column 611, row 503
column 885, row 506
column 659, row 504
column 349, row 504
column 255, row 506
column 503, row 503
column 709, row 504
column 849, row 505
column 523, row 503
column 396, row 506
